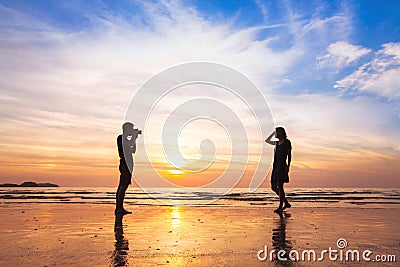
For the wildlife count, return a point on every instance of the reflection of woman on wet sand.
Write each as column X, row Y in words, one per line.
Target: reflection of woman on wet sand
column 280, row 170
column 279, row 241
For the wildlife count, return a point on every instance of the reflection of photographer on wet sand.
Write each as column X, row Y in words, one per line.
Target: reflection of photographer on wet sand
column 121, row 246
column 126, row 147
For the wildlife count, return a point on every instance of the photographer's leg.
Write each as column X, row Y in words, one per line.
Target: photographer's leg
column 123, row 186
column 119, row 198
column 120, row 195
column 123, row 190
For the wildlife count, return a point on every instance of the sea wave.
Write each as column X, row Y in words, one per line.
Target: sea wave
column 332, row 197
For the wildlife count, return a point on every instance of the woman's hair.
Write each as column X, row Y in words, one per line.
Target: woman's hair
column 280, row 132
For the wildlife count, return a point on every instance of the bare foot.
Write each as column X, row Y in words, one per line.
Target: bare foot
column 278, row 210
column 286, row 206
column 123, row 211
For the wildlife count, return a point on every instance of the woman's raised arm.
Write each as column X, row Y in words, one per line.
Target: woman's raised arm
column 268, row 140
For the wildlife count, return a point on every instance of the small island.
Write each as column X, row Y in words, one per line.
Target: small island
column 29, row 184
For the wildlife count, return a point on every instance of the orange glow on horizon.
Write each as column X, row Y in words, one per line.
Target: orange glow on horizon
column 82, row 167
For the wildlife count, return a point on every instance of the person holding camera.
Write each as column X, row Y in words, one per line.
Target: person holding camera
column 126, row 143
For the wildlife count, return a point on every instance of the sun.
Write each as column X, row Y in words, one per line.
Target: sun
column 176, row 172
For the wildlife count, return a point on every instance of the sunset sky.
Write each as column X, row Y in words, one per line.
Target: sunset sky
column 329, row 70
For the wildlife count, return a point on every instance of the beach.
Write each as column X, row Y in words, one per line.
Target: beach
column 58, row 234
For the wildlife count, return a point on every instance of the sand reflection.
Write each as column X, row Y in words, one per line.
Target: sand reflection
column 175, row 216
column 279, row 240
column 121, row 245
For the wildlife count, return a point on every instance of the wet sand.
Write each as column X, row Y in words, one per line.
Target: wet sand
column 90, row 235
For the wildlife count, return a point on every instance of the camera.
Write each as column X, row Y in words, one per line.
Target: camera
column 136, row 133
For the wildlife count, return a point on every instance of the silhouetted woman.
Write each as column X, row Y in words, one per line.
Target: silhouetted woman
column 280, row 170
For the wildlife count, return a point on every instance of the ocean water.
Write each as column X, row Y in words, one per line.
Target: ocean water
column 303, row 197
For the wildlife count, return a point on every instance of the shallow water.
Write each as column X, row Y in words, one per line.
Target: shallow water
column 301, row 197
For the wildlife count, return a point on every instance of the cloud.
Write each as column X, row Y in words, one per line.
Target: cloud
column 326, row 121
column 341, row 54
column 340, row 141
column 94, row 71
column 263, row 9
column 65, row 92
column 380, row 76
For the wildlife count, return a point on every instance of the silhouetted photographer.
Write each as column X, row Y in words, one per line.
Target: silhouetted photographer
column 126, row 148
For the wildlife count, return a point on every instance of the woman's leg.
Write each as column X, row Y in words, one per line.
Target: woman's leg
column 274, row 187
column 282, row 197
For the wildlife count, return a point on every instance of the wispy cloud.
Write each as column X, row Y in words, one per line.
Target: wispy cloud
column 380, row 76
column 65, row 91
column 341, row 54
column 263, row 9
